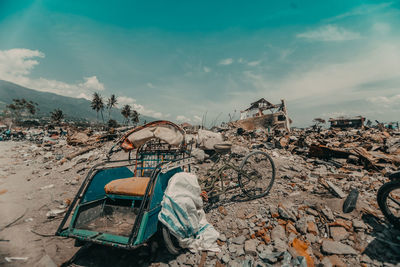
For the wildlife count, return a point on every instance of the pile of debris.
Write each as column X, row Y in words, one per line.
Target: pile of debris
column 322, row 208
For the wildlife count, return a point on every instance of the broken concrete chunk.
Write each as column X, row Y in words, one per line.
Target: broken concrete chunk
column 312, row 228
column 339, row 233
column 268, row 257
column 336, row 189
column 301, row 225
column 286, row 213
column 359, row 225
column 250, row 247
column 328, row 213
column 238, row 240
column 334, row 247
column 278, row 233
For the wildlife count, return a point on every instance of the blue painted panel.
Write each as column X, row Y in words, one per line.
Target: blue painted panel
column 152, row 223
column 160, row 186
column 103, row 177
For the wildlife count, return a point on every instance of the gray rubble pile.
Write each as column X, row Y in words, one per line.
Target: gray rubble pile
column 302, row 222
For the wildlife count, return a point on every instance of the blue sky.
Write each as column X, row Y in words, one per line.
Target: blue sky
column 178, row 60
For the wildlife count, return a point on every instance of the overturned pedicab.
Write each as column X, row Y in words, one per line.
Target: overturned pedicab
column 119, row 201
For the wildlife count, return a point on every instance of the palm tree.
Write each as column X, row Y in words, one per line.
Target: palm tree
column 126, row 112
column 111, row 102
column 135, row 117
column 57, row 115
column 97, row 104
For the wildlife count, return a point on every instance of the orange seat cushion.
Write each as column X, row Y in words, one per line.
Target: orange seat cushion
column 135, row 186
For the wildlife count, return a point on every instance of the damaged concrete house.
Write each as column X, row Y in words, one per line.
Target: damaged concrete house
column 347, row 122
column 257, row 116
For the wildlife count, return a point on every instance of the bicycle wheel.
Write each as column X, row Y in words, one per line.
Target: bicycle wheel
column 256, row 174
column 388, row 198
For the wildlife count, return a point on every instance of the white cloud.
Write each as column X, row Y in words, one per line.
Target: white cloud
column 381, row 27
column 85, row 96
column 92, row 83
column 150, row 85
column 254, row 63
column 226, row 61
column 206, row 69
column 329, row 33
column 182, row 118
column 17, row 64
column 325, row 83
column 386, row 101
column 124, row 100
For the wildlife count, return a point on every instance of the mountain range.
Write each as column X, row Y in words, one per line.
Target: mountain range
column 73, row 108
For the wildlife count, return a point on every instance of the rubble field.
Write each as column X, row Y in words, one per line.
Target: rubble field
column 303, row 221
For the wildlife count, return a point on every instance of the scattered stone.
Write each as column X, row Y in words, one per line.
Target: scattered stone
column 359, row 225
column 334, row 247
column 270, row 257
column 312, row 212
column 222, row 237
column 328, row 213
column 280, row 245
column 336, row 189
column 351, row 201
column 339, row 233
column 286, row 213
column 312, row 228
column 301, row 225
column 238, row 240
column 278, row 233
column 250, row 247
column 336, row 261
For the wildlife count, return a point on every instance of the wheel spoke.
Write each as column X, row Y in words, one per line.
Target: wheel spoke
column 256, row 174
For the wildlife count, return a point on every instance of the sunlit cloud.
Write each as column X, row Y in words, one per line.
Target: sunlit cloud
column 226, row 61
column 16, row 66
column 329, row 33
column 254, row 63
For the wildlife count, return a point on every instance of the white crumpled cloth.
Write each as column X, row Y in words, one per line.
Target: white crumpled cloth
column 182, row 213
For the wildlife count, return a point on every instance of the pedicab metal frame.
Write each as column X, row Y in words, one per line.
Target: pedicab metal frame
column 146, row 223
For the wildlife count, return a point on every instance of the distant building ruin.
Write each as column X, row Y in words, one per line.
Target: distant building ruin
column 347, row 122
column 257, row 116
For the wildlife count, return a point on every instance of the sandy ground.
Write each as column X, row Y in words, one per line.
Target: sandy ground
column 29, row 188
column 25, row 204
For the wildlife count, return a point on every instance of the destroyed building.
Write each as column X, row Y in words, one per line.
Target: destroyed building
column 347, row 122
column 257, row 116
